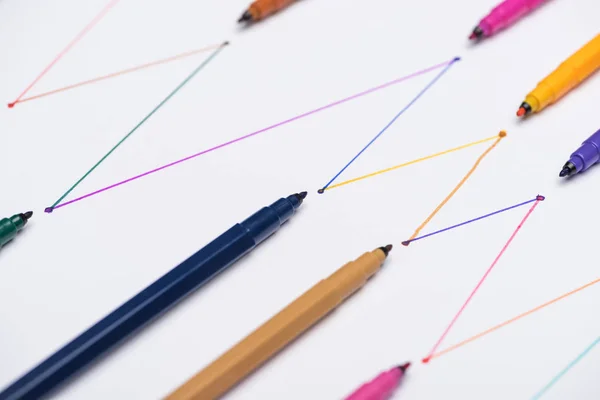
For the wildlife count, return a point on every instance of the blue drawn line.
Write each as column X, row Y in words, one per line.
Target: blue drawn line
column 413, row 101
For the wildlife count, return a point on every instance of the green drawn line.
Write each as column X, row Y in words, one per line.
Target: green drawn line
column 182, row 84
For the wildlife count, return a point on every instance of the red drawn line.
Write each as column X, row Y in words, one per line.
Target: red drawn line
column 60, row 55
column 439, row 342
column 122, row 72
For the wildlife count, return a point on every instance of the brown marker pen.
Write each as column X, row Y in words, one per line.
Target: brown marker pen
column 233, row 366
column 263, row 8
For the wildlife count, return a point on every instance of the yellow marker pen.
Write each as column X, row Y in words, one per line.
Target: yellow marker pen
column 563, row 79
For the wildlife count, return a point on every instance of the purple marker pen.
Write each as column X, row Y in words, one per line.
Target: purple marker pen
column 584, row 157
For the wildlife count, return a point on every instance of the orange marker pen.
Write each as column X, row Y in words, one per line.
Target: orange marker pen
column 262, row 344
column 263, row 8
column 563, row 79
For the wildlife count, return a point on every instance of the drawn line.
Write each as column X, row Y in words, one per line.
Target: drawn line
column 60, row 55
column 565, row 370
column 385, row 128
column 122, row 72
column 510, row 321
column 483, row 278
column 252, row 134
column 501, row 135
column 165, row 100
column 383, row 171
column 538, row 197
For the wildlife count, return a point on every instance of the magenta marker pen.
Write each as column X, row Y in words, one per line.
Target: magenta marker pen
column 504, row 14
column 382, row 386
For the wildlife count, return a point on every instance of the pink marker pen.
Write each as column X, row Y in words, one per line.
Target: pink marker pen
column 382, row 387
column 503, row 15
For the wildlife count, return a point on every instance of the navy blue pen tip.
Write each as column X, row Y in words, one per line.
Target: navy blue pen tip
column 302, row 195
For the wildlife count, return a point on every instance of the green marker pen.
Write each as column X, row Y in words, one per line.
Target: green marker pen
column 9, row 227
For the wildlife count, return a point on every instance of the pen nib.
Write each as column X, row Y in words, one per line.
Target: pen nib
column 386, row 249
column 476, row 34
column 27, row 215
column 246, row 16
column 524, row 109
column 404, row 367
column 567, row 169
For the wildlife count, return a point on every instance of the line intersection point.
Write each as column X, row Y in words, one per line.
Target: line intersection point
column 480, row 283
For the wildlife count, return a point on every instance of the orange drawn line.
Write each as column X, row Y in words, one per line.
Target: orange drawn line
column 510, row 321
column 64, row 51
column 122, row 72
column 501, row 135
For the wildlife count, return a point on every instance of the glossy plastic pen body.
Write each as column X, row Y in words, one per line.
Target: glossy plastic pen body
column 9, row 227
column 584, row 157
column 503, row 15
column 382, row 387
column 563, row 79
column 258, row 347
column 154, row 300
column 261, row 9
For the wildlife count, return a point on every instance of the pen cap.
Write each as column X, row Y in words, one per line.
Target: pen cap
column 266, row 221
column 507, row 13
column 568, row 75
column 9, row 228
column 263, row 8
column 352, row 276
column 588, row 154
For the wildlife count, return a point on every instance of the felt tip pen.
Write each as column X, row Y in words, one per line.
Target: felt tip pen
column 382, row 386
column 584, row 157
column 154, row 300
column 503, row 15
column 267, row 340
column 9, row 227
column 261, row 9
column 563, row 79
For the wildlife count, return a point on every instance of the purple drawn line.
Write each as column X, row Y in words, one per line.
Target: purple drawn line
column 287, row 121
column 537, row 198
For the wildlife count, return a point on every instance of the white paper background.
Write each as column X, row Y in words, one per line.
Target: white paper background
column 69, row 269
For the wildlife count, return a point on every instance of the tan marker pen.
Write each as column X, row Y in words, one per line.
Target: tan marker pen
column 243, row 358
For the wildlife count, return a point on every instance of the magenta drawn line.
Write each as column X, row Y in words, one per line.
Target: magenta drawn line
column 482, row 280
column 239, row 139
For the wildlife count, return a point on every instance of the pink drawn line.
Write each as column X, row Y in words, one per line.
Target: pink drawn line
column 60, row 55
column 437, row 344
column 287, row 121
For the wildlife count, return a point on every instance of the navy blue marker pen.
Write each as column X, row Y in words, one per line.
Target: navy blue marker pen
column 153, row 300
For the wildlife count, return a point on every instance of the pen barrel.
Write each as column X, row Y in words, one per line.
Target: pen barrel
column 567, row 76
column 9, row 228
column 141, row 309
column 379, row 388
column 587, row 154
column 506, row 14
column 239, row 361
column 263, row 8
column 352, row 276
